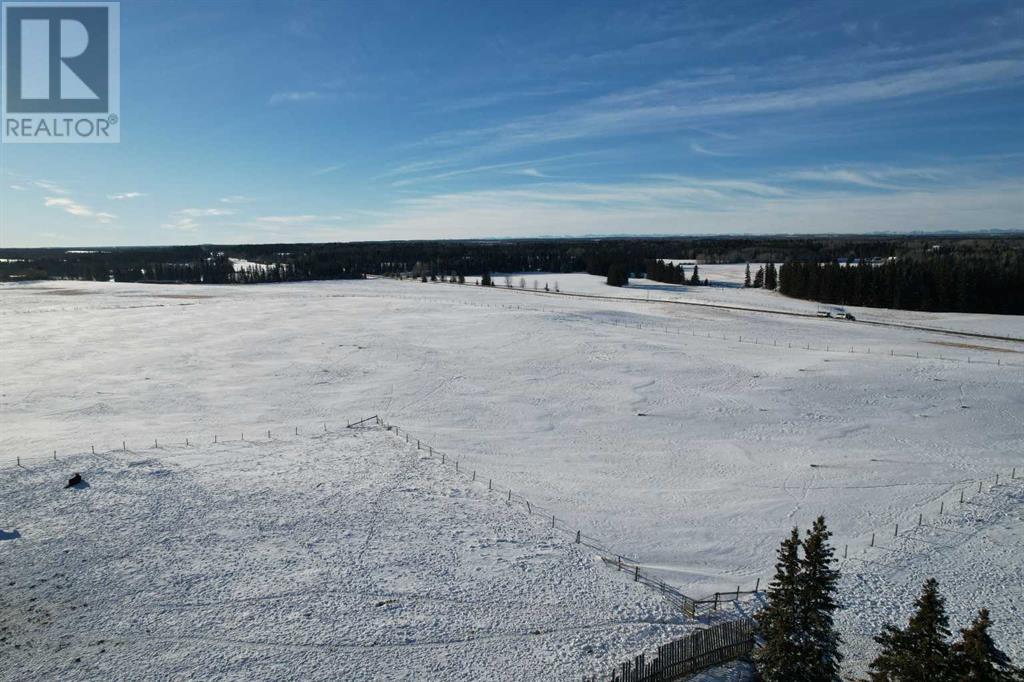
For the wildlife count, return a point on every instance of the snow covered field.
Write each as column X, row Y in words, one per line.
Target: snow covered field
column 336, row 556
column 737, row 442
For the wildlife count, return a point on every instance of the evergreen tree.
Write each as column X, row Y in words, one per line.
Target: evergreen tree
column 976, row 657
column 817, row 583
column 486, row 280
column 617, row 275
column 759, row 278
column 695, row 276
column 779, row 659
column 920, row 652
column 770, row 276
column 746, row 277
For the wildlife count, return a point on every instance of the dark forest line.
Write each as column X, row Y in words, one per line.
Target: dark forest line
column 969, row 273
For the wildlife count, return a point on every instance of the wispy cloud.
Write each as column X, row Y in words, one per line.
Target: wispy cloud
column 124, row 196
column 19, row 188
column 701, row 149
column 50, row 187
column 186, row 219
column 295, row 96
column 71, row 206
column 328, row 169
column 671, row 104
column 235, row 199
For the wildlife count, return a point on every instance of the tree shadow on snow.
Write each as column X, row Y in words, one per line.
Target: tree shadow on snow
column 9, row 535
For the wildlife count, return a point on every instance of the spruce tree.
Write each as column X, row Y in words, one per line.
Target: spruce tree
column 817, row 587
column 976, row 657
column 617, row 275
column 920, row 652
column 695, row 276
column 746, row 277
column 779, row 659
column 759, row 278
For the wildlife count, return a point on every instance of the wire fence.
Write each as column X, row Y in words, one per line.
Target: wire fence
column 689, row 606
column 866, row 547
column 652, row 325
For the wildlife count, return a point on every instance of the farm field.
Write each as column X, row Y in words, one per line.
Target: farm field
column 332, row 556
column 636, row 421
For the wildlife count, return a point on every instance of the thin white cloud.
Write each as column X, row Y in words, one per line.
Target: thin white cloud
column 295, row 96
column 50, row 187
column 186, row 219
column 71, row 206
column 289, row 219
column 20, row 188
column 235, row 199
column 205, row 212
column 328, row 169
column 671, row 104
column 124, row 196
column 700, row 149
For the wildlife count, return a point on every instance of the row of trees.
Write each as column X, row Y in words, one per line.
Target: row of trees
column 802, row 645
column 767, row 277
column 670, row 273
column 944, row 282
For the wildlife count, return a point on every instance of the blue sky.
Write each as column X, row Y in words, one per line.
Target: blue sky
column 329, row 121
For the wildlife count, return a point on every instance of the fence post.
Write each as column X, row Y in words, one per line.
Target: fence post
column 296, row 430
column 529, row 509
column 920, row 517
column 474, row 474
column 489, row 481
column 268, row 434
column 636, row 574
column 577, row 537
column 186, row 441
column 19, row 461
column 997, row 479
column 846, row 548
column 872, row 540
column 456, row 466
column 942, row 506
column 418, row 444
column 552, row 520
column 757, row 585
column 510, row 494
column 93, row 447
column 979, row 486
column 961, row 497
column 155, row 443
column 896, row 533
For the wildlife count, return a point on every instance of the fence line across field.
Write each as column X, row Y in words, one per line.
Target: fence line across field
column 958, row 496
column 677, row 330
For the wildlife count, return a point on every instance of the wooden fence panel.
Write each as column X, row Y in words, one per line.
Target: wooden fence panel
column 681, row 657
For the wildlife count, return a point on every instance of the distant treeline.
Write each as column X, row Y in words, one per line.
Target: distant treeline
column 981, row 268
column 943, row 282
